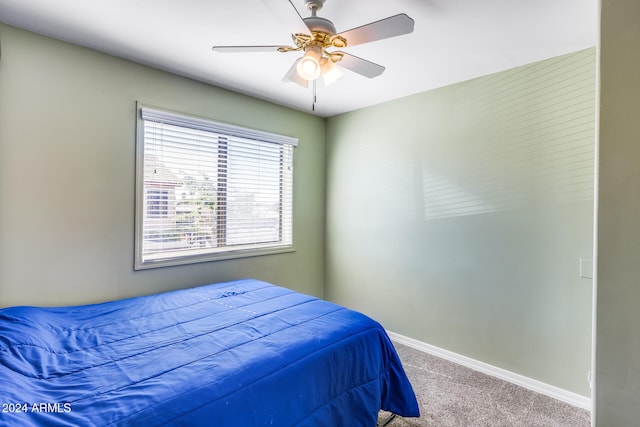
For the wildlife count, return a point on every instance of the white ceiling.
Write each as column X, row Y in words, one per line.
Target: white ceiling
column 454, row 40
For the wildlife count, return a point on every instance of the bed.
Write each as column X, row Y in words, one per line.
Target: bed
column 241, row 353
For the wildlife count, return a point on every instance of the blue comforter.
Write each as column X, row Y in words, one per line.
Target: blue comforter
column 243, row 353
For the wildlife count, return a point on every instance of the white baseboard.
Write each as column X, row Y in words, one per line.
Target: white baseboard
column 526, row 382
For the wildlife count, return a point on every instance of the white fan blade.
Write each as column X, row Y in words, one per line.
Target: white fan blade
column 287, row 13
column 293, row 76
column 244, row 49
column 361, row 66
column 393, row 26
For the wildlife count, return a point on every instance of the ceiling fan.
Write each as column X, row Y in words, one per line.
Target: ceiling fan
column 317, row 38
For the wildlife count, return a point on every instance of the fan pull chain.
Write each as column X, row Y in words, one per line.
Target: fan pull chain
column 315, row 98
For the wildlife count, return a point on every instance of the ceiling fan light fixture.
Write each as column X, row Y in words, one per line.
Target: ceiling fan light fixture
column 330, row 73
column 293, row 77
column 309, row 67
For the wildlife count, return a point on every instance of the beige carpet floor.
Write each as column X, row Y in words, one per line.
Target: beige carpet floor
column 451, row 395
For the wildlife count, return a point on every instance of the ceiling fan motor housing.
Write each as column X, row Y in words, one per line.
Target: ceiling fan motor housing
column 320, row 25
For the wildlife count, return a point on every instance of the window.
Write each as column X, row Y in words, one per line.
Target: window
column 207, row 190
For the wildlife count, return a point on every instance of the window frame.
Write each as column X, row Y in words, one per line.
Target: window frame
column 192, row 121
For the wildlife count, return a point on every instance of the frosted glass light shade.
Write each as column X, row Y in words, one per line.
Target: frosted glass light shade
column 309, row 66
column 330, row 73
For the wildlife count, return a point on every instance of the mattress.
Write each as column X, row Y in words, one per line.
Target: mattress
column 241, row 353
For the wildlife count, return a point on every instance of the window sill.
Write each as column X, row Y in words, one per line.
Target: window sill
column 165, row 260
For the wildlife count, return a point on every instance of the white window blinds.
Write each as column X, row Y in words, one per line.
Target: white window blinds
column 208, row 190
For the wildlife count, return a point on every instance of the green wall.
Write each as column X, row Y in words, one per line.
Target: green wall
column 67, row 147
column 617, row 397
column 458, row 217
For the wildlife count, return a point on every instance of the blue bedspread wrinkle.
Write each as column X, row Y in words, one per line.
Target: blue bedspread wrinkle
column 242, row 353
